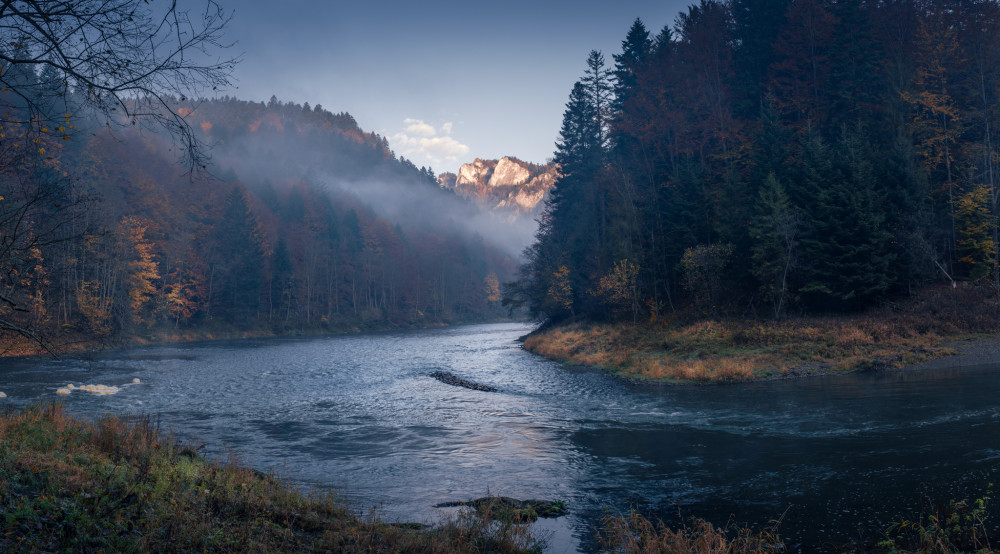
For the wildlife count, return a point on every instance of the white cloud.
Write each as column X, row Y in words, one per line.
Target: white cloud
column 419, row 128
column 420, row 141
column 443, row 147
column 404, row 142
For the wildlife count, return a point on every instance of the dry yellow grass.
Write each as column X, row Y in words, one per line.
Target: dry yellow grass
column 728, row 370
column 635, row 533
column 741, row 350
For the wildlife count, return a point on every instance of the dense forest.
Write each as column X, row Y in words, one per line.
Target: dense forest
column 298, row 221
column 762, row 157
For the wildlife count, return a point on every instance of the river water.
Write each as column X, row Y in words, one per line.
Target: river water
column 840, row 458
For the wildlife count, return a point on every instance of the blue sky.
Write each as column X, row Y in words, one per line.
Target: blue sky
column 445, row 82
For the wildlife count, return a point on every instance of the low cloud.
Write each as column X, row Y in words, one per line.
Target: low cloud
column 422, row 141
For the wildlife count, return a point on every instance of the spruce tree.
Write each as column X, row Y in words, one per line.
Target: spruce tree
column 555, row 276
column 774, row 233
column 756, row 24
column 597, row 83
column 636, row 49
column 846, row 257
column 282, row 293
column 239, row 262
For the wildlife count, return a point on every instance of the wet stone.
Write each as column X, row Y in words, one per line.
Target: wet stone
column 454, row 380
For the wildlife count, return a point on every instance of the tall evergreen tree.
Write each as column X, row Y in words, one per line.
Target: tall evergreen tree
column 636, row 49
column 554, row 278
column 774, row 231
column 597, row 83
column 630, row 101
column 846, row 259
column 755, row 28
column 857, row 82
column 282, row 293
column 238, row 262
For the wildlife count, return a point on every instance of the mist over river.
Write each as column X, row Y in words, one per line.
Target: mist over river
column 841, row 457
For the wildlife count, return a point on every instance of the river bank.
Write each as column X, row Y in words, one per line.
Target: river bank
column 843, row 458
column 74, row 342
column 937, row 324
column 118, row 485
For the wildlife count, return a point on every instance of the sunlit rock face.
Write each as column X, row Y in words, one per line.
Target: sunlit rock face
column 524, row 200
column 508, row 186
column 475, row 173
column 509, row 173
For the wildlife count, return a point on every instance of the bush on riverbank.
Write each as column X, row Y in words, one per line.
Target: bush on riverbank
column 118, row 485
column 745, row 349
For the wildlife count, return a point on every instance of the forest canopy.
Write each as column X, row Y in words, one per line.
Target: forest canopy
column 107, row 237
column 767, row 156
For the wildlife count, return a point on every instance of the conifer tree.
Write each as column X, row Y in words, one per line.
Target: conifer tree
column 774, row 231
column 239, row 262
column 636, row 49
column 845, row 253
column 597, row 83
column 554, row 279
column 282, row 293
column 755, row 27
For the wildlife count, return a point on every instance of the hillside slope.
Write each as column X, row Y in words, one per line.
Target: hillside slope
column 305, row 222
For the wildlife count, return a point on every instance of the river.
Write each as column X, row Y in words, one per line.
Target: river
column 839, row 457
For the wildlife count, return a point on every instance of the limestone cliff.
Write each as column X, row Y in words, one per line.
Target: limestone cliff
column 507, row 185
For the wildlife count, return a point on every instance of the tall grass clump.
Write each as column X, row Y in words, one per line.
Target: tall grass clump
column 958, row 526
column 634, row 533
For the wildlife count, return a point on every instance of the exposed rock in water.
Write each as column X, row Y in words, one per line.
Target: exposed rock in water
column 452, row 379
column 506, row 508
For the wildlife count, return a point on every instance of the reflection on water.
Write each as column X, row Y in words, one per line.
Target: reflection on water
column 840, row 457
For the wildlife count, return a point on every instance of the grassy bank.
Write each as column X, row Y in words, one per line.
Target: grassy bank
column 956, row 527
column 729, row 350
column 117, row 485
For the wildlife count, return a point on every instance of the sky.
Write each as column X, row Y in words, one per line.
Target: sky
column 445, row 82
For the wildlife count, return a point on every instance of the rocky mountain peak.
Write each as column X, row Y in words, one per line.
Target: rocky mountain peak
column 505, row 185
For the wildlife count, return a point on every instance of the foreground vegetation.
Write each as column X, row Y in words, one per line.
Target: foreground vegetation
column 728, row 350
column 959, row 526
column 118, row 485
column 634, row 532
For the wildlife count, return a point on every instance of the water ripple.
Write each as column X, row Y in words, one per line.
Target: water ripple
column 361, row 414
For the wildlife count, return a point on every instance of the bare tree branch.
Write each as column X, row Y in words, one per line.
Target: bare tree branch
column 127, row 61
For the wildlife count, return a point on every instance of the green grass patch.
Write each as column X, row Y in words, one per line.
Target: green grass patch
column 117, row 485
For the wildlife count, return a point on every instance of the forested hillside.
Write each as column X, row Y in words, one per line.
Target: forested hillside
column 300, row 221
column 767, row 156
